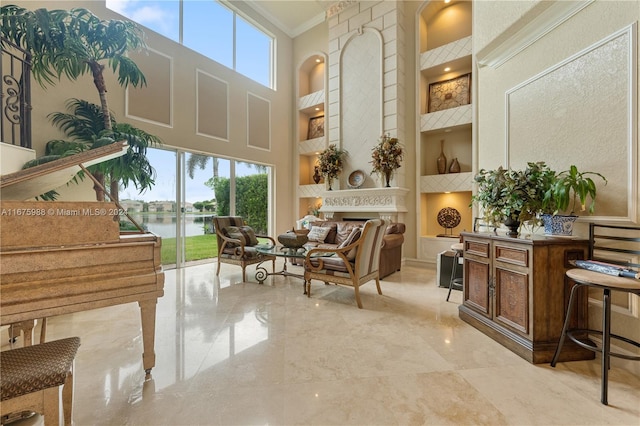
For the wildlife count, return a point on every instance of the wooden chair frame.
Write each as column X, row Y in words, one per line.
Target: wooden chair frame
column 239, row 257
column 361, row 270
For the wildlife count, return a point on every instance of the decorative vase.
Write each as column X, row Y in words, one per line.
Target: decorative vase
column 387, row 178
column 442, row 160
column 455, row 166
column 316, row 175
column 329, row 181
column 513, row 226
column 558, row 224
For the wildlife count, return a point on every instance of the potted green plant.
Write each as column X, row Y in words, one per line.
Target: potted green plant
column 512, row 197
column 566, row 188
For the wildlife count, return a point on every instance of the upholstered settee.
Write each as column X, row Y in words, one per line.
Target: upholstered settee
column 390, row 255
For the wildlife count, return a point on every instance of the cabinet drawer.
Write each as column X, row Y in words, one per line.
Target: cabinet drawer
column 513, row 255
column 478, row 248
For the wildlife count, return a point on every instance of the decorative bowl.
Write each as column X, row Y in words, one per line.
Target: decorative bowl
column 356, row 179
column 292, row 240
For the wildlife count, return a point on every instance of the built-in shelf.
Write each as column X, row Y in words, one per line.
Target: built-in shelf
column 311, row 146
column 448, row 182
column 311, row 191
column 445, row 50
column 452, row 117
column 458, row 51
column 310, row 102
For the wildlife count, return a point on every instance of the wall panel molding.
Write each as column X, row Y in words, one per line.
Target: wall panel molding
column 563, row 116
column 212, row 106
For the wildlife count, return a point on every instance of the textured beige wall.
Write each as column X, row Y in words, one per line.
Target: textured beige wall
column 588, row 27
column 182, row 133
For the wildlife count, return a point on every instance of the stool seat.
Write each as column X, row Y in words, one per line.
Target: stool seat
column 31, row 378
column 33, row 368
column 598, row 279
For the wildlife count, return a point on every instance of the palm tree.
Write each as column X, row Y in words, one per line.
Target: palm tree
column 84, row 125
column 73, row 43
column 200, row 161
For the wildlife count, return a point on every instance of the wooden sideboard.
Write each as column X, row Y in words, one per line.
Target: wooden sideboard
column 516, row 292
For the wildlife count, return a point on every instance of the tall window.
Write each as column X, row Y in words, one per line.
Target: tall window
column 209, row 28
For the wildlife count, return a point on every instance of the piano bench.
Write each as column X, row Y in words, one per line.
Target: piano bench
column 32, row 377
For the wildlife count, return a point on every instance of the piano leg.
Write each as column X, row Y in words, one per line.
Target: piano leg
column 148, row 317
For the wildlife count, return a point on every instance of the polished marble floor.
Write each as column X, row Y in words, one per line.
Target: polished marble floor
column 233, row 353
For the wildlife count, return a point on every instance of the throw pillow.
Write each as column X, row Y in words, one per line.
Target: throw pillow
column 352, row 238
column 249, row 235
column 318, row 233
column 234, row 232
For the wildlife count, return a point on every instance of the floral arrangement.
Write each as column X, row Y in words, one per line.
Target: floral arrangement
column 315, row 209
column 386, row 156
column 330, row 162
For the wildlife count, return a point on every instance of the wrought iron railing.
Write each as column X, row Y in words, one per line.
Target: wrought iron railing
column 15, row 94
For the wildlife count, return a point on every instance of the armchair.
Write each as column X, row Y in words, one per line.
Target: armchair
column 236, row 243
column 356, row 260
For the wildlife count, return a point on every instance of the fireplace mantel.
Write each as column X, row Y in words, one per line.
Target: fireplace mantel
column 389, row 203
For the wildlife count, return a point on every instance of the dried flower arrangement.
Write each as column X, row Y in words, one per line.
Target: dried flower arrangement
column 386, row 157
column 331, row 163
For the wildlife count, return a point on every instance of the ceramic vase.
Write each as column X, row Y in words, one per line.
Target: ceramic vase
column 455, row 166
column 316, row 175
column 442, row 160
column 387, row 178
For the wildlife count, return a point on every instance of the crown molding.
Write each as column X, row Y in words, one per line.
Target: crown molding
column 527, row 30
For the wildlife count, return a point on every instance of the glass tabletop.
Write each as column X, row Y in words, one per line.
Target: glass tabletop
column 282, row 251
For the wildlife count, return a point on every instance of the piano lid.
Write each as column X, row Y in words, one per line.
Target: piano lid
column 28, row 183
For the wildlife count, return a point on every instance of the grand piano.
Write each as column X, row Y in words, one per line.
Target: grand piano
column 59, row 257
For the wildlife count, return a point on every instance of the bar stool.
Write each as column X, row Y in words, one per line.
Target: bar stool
column 453, row 281
column 614, row 244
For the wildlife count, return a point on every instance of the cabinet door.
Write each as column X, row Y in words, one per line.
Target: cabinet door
column 477, row 290
column 512, row 281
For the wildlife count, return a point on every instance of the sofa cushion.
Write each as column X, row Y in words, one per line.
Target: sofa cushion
column 318, row 233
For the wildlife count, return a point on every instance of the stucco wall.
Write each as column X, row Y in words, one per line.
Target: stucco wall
column 599, row 139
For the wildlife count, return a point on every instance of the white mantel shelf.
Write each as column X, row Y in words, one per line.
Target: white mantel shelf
column 385, row 201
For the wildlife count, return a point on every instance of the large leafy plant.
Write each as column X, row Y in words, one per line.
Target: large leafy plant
column 569, row 186
column 512, row 194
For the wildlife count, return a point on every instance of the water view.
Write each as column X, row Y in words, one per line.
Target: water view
column 164, row 224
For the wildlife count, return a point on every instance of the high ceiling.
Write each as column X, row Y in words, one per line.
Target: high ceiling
column 293, row 16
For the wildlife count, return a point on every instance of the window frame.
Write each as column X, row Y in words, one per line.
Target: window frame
column 271, row 78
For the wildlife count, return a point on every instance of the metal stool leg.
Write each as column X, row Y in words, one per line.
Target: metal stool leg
column 567, row 319
column 606, row 344
column 454, row 267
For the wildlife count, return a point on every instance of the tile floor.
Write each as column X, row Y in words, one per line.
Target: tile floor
column 233, row 353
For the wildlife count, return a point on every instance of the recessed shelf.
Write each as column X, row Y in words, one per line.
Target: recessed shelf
column 308, row 104
column 311, row 191
column 448, row 182
column 456, row 54
column 311, row 146
column 446, row 118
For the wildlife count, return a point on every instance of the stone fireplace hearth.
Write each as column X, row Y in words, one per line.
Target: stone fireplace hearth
column 387, row 203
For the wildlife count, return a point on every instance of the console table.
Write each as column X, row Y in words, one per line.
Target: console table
column 515, row 291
